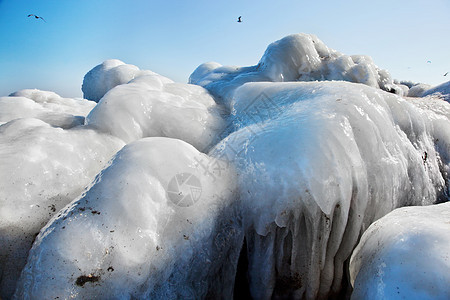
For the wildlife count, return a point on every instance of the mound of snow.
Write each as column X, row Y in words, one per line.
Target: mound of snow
column 153, row 226
column 317, row 164
column 404, row 255
column 151, row 106
column 297, row 57
column 442, row 90
column 98, row 81
column 46, row 106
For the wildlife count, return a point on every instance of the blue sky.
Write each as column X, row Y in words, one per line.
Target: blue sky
column 174, row 37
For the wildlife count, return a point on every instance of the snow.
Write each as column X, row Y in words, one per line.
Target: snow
column 159, row 189
column 406, row 255
column 442, row 90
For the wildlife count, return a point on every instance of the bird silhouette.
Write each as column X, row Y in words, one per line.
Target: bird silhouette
column 239, row 19
column 446, row 74
column 37, row 17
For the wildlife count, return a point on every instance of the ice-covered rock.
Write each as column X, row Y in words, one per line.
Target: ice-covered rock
column 297, row 57
column 42, row 169
column 301, row 170
column 318, row 163
column 154, row 225
column 150, row 106
column 442, row 90
column 46, row 106
column 404, row 255
column 98, row 81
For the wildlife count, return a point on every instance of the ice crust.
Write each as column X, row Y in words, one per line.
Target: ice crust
column 291, row 174
column 46, row 106
column 318, row 163
column 297, row 57
column 404, row 255
column 135, row 239
column 151, row 105
column 98, row 81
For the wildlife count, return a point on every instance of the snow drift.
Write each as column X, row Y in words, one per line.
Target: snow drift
column 404, row 255
column 254, row 181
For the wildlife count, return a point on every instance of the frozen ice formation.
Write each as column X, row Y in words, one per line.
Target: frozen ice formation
column 46, row 106
column 129, row 237
column 98, row 81
column 318, row 162
column 404, row 255
column 152, row 105
column 297, row 57
column 47, row 161
column 249, row 181
column 442, row 90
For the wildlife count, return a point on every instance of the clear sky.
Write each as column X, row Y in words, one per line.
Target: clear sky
column 173, row 37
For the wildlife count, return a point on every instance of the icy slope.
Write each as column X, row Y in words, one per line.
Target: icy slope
column 317, row 164
column 406, row 255
column 442, row 90
column 131, row 237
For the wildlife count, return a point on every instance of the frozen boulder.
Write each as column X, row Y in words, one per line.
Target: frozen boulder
column 318, row 162
column 404, row 255
column 297, row 57
column 148, row 106
column 154, row 225
column 43, row 169
column 98, row 81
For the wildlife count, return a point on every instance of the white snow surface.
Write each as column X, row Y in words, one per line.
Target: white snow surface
column 404, row 255
column 442, row 90
column 298, row 169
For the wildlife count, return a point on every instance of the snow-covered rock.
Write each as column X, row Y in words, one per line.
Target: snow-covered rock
column 318, row 163
column 46, row 106
column 298, row 170
column 98, row 81
column 442, row 90
column 149, row 106
column 404, row 255
column 297, row 57
column 43, row 168
column 154, row 225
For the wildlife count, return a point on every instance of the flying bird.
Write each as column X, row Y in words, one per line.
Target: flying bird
column 36, row 17
column 428, row 61
column 239, row 19
column 446, row 74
